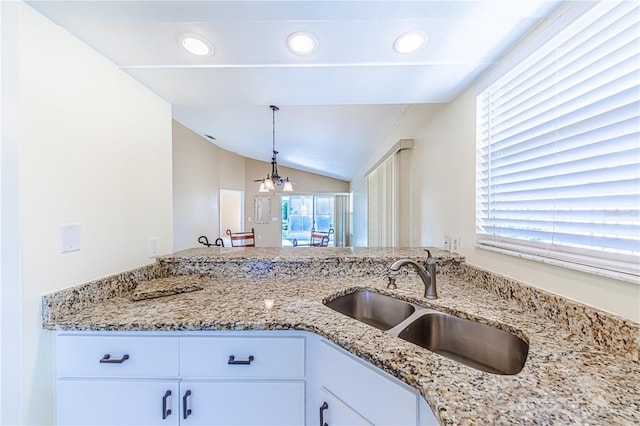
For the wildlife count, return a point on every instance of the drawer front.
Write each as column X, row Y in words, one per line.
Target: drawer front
column 116, row 356
column 242, row 357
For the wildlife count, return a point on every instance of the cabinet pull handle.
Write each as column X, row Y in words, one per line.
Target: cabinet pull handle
column 186, row 412
column 323, row 407
column 234, row 361
column 106, row 359
column 166, row 412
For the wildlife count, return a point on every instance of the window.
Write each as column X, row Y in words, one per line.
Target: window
column 558, row 148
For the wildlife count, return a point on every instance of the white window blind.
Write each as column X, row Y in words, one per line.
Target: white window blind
column 558, row 140
column 382, row 197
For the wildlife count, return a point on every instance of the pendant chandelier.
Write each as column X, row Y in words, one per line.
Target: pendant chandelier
column 272, row 180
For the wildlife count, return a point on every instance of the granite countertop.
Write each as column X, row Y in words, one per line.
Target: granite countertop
column 566, row 378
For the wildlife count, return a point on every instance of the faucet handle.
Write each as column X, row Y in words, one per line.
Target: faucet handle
column 392, row 283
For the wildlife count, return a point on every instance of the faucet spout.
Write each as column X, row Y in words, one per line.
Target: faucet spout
column 428, row 276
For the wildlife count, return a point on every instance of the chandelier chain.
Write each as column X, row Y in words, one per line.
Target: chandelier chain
column 274, row 178
column 274, row 109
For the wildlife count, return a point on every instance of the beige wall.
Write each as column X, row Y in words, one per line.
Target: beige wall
column 200, row 171
column 443, row 175
column 231, row 213
column 268, row 235
column 94, row 149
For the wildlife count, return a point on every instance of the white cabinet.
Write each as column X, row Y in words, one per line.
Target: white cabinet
column 116, row 355
column 259, row 380
column 111, row 379
column 224, row 378
column 425, row 413
column 143, row 379
column 117, row 402
column 334, row 412
column 242, row 357
column 371, row 393
column 243, row 403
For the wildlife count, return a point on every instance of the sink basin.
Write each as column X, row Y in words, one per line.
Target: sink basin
column 481, row 346
column 377, row 310
column 477, row 345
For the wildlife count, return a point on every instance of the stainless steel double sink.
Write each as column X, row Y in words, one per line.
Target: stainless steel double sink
column 481, row 346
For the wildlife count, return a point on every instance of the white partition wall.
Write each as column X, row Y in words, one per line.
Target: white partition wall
column 94, row 150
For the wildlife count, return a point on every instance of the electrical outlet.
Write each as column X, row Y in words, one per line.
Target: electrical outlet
column 447, row 243
column 455, row 245
column 153, row 247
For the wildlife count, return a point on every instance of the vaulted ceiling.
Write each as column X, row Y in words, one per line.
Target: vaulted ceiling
column 336, row 103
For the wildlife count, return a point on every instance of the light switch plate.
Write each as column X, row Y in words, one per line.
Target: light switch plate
column 153, row 247
column 70, row 238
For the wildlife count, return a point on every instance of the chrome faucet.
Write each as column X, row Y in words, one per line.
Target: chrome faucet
column 428, row 275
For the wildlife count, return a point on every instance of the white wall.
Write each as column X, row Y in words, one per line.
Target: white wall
column 200, row 169
column 10, row 247
column 443, row 171
column 95, row 149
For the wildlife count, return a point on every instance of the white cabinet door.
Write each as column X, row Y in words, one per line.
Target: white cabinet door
column 242, row 402
column 334, row 412
column 117, row 402
column 427, row 418
column 365, row 388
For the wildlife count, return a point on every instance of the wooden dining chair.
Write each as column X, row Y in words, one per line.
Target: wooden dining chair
column 319, row 238
column 242, row 239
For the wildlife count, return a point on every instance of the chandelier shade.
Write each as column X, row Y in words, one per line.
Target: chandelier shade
column 273, row 179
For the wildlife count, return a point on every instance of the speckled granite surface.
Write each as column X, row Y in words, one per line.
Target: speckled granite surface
column 298, row 262
column 616, row 334
column 74, row 299
column 169, row 286
column 567, row 377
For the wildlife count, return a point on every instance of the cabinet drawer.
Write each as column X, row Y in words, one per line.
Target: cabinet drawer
column 242, row 357
column 116, row 356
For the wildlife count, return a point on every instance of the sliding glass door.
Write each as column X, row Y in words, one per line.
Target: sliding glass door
column 301, row 213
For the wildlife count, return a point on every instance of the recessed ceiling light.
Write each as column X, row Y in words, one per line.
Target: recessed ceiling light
column 302, row 43
column 196, row 45
column 409, row 42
